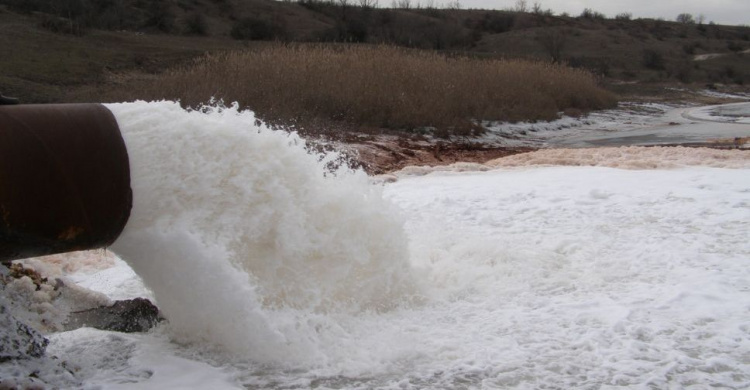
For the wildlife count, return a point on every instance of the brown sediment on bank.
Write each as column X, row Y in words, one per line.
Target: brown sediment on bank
column 381, row 156
column 626, row 157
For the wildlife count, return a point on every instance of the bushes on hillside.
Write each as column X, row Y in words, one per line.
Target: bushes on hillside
column 61, row 25
column 653, row 60
column 160, row 16
column 588, row 13
column 80, row 15
column 493, row 22
column 553, row 41
column 625, row 16
column 691, row 48
column 596, row 65
column 195, row 24
column 261, row 29
column 735, row 46
column 685, row 18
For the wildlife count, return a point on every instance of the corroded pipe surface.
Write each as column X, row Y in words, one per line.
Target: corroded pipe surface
column 64, row 179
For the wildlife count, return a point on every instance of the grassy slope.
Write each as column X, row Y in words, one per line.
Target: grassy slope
column 616, row 48
column 41, row 66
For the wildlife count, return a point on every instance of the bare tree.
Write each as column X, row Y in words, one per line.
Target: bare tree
column 404, row 4
column 685, row 18
column 588, row 13
column 368, row 3
column 537, row 8
column 344, row 7
column 521, row 6
column 553, row 40
column 624, row 16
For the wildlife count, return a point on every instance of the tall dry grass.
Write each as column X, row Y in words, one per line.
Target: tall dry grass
column 378, row 86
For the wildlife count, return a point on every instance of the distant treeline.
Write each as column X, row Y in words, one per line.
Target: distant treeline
column 407, row 23
column 428, row 28
column 417, row 27
column 345, row 21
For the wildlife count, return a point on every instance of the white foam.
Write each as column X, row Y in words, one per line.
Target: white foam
column 551, row 277
column 114, row 360
column 233, row 222
column 582, row 277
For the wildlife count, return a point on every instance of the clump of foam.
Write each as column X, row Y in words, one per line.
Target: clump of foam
column 632, row 157
column 45, row 302
column 233, row 222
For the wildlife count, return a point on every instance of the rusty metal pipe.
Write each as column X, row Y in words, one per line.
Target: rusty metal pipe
column 64, row 179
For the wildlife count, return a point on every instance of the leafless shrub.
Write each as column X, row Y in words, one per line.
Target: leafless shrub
column 403, row 4
column 368, row 3
column 254, row 28
column 624, row 16
column 553, row 40
column 521, row 6
column 685, row 18
column 588, row 13
column 653, row 60
column 453, row 4
column 537, row 8
column 195, row 24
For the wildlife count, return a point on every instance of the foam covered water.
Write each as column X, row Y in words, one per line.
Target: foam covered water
column 530, row 277
column 234, row 224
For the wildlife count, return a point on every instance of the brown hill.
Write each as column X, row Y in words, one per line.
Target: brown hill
column 56, row 50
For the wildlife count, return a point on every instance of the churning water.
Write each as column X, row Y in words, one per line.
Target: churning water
column 242, row 234
column 288, row 275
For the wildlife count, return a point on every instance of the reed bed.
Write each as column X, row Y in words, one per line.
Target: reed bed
column 378, row 86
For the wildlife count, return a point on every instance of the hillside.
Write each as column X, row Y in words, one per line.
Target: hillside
column 71, row 50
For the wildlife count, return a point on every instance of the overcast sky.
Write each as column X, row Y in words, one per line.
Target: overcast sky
column 734, row 12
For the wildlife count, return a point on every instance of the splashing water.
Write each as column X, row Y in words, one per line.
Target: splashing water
column 555, row 277
column 234, row 223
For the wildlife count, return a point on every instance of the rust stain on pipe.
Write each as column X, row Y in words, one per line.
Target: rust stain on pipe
column 64, row 179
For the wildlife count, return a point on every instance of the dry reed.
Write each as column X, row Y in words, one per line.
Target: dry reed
column 378, row 86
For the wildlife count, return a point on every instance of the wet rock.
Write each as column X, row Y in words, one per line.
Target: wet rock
column 18, row 340
column 133, row 315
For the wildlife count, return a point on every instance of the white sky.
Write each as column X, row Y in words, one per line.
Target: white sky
column 736, row 12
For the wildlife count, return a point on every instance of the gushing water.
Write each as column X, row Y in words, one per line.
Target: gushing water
column 561, row 277
column 238, row 230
